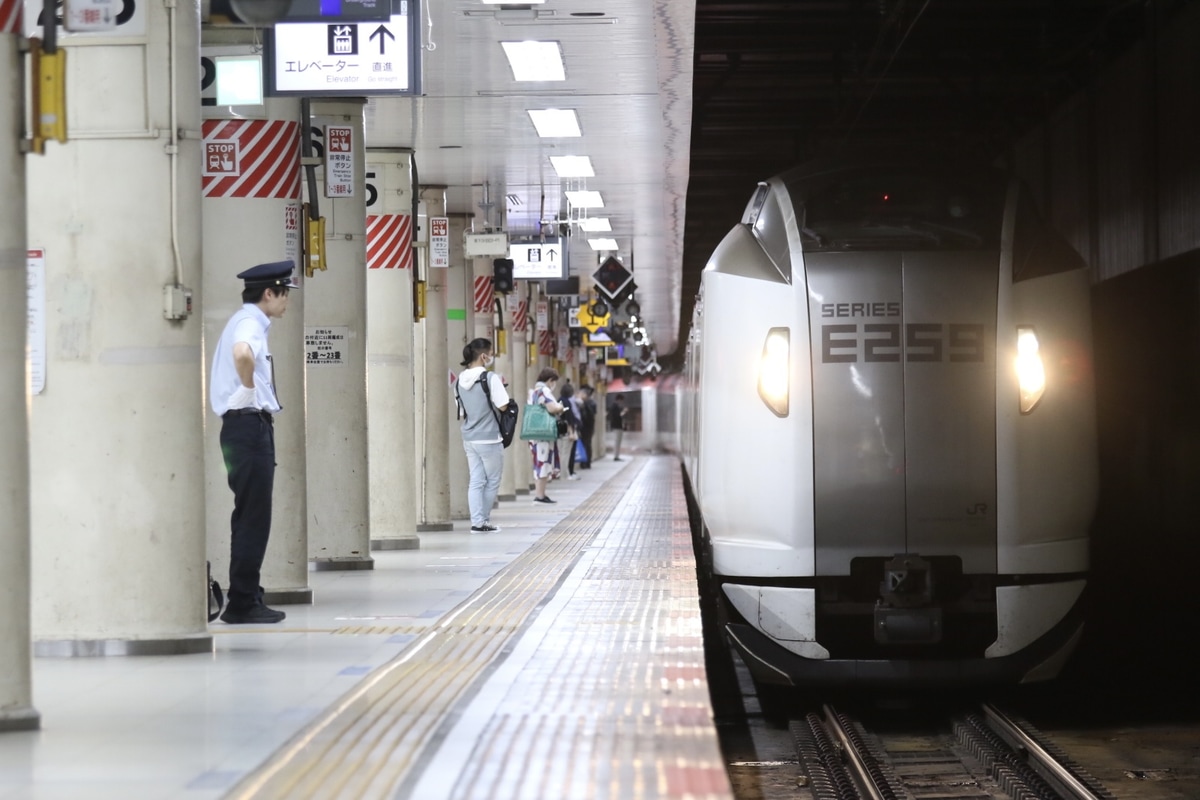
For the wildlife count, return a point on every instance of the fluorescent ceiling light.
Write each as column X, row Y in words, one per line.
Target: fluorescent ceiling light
column 239, row 80
column 595, row 225
column 585, row 199
column 573, row 166
column 535, row 61
column 555, row 122
column 603, row 244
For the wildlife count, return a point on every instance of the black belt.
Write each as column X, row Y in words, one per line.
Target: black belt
column 238, row 412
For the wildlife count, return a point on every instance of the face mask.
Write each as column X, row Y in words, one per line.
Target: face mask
column 487, row 361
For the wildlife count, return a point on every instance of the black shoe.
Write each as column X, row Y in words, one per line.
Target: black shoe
column 618, row 459
column 544, row 500
column 254, row 615
column 483, row 529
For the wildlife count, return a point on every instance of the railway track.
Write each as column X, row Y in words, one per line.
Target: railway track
column 986, row 755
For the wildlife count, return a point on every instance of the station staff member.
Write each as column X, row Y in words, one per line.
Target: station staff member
column 242, row 394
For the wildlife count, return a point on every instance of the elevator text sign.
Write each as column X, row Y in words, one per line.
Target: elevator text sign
column 361, row 59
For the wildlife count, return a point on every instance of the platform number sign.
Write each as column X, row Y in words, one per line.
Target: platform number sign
column 339, row 161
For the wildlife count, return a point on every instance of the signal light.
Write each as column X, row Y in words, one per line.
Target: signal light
column 502, row 275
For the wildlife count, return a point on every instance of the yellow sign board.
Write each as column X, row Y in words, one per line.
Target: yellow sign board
column 592, row 323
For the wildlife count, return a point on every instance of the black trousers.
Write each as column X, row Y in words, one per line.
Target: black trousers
column 586, row 435
column 248, row 446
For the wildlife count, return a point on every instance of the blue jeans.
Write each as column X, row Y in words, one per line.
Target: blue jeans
column 486, row 462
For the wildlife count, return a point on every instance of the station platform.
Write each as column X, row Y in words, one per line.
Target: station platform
column 559, row 658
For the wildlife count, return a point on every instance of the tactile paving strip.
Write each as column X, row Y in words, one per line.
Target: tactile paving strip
column 615, row 705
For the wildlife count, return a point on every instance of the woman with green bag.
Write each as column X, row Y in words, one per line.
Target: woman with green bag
column 545, row 453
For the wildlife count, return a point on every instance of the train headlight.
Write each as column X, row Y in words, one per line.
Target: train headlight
column 773, row 371
column 1031, row 374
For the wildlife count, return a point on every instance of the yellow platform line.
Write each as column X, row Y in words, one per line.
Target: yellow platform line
column 365, row 743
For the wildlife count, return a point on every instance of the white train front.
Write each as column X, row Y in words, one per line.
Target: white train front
column 888, row 429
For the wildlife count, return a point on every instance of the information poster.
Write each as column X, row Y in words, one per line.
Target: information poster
column 326, row 346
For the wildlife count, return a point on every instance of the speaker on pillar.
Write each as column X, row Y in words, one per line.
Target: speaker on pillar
column 502, row 275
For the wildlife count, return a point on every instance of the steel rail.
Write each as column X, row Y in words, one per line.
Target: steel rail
column 857, row 765
column 1062, row 776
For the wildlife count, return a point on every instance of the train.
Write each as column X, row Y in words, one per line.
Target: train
column 887, row 425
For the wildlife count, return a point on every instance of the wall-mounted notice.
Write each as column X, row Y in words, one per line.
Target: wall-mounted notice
column 35, row 302
column 339, row 161
column 439, row 242
column 326, row 345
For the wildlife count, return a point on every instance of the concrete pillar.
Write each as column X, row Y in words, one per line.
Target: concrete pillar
column 248, row 221
column 117, row 436
column 335, row 328
column 518, row 461
column 435, row 400
column 16, row 691
column 460, row 294
column 390, row 399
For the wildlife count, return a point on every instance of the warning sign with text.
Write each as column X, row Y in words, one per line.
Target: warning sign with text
column 339, row 161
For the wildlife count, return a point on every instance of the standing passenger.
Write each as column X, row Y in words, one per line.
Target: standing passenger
column 481, row 431
column 242, row 394
column 545, row 454
column 571, row 414
column 587, row 420
column 616, row 422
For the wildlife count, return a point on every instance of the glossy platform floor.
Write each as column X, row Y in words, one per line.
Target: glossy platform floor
column 235, row 723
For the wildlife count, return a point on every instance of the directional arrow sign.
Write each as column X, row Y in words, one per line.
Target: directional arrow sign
column 537, row 260
column 314, row 58
column 384, row 34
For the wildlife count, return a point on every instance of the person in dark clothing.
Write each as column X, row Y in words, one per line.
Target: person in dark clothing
column 616, row 423
column 587, row 423
column 571, row 414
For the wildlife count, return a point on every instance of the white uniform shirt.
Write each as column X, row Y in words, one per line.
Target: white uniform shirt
column 247, row 325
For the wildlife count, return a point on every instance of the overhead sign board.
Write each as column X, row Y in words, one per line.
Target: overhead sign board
column 485, row 245
column 338, row 10
column 538, row 260
column 346, row 59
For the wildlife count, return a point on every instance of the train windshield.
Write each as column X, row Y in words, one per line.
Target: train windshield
column 898, row 210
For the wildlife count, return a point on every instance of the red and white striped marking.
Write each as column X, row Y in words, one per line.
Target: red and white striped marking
column 546, row 343
column 10, row 16
column 483, row 294
column 264, row 160
column 389, row 241
column 520, row 320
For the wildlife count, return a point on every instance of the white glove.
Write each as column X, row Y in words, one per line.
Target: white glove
column 244, row 397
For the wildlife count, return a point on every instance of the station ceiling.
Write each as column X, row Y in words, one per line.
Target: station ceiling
column 685, row 105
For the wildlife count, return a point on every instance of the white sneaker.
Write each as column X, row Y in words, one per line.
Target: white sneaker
column 572, row 477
